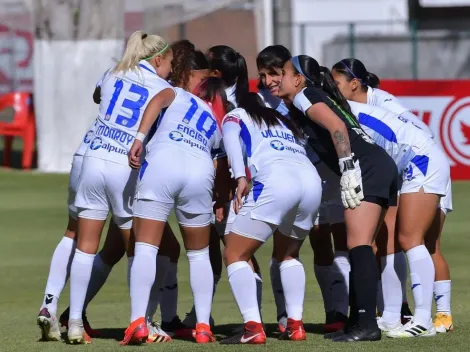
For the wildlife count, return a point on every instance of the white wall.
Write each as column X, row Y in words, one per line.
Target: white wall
column 341, row 12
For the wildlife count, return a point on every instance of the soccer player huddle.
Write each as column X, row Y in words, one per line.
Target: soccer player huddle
column 329, row 156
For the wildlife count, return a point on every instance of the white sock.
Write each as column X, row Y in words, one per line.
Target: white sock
column 80, row 274
column 169, row 295
column 259, row 289
column 293, row 282
column 340, row 282
column 59, row 271
column 130, row 260
column 442, row 291
column 402, row 272
column 422, row 281
column 391, row 289
column 323, row 276
column 142, row 277
column 202, row 282
column 243, row 284
column 162, row 269
column 99, row 274
column 276, row 285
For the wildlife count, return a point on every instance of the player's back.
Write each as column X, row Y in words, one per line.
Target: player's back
column 187, row 124
column 124, row 97
column 397, row 135
column 264, row 145
column 387, row 101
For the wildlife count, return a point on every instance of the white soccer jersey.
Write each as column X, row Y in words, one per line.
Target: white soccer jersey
column 187, row 124
column 387, row 101
column 263, row 145
column 400, row 138
column 124, row 98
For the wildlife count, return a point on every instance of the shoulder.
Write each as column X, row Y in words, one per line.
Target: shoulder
column 307, row 97
column 237, row 115
column 269, row 100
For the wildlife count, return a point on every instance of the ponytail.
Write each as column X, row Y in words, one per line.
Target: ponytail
column 242, row 85
column 330, row 87
column 259, row 113
column 140, row 46
column 372, row 80
column 354, row 69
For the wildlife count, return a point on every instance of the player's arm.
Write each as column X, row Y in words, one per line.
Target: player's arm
column 311, row 104
column 158, row 102
column 231, row 137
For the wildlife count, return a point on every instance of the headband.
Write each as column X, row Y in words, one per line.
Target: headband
column 160, row 52
column 295, row 61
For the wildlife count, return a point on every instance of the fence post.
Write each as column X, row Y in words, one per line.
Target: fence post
column 414, row 48
column 352, row 39
column 303, row 35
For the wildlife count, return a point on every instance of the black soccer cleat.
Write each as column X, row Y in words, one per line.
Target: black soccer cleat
column 358, row 333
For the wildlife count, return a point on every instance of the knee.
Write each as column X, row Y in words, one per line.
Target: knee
column 232, row 255
column 408, row 241
column 111, row 257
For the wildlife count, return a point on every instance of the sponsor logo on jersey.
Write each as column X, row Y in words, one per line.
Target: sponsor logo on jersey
column 97, row 143
column 114, row 134
column 88, row 136
column 179, row 137
column 278, row 145
column 176, row 136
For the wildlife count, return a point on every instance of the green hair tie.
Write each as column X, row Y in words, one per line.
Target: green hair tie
column 160, row 52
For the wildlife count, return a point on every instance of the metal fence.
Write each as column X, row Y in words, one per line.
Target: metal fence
column 393, row 49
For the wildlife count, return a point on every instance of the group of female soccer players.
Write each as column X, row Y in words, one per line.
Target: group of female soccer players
column 329, row 155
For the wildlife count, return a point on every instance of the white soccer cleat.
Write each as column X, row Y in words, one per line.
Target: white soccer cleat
column 387, row 327
column 156, row 334
column 49, row 326
column 76, row 333
column 413, row 329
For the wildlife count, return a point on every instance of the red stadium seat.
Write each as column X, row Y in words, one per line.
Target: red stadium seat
column 22, row 125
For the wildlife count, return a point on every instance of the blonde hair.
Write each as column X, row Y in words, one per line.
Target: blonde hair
column 140, row 46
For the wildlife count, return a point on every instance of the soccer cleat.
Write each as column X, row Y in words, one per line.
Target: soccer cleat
column 76, row 333
column 253, row 334
column 333, row 335
column 203, row 333
column 177, row 328
column 386, row 327
column 358, row 333
column 48, row 325
column 335, row 323
column 443, row 323
column 136, row 334
column 413, row 329
column 191, row 320
column 406, row 314
column 64, row 321
column 282, row 324
column 156, row 334
column 295, row 331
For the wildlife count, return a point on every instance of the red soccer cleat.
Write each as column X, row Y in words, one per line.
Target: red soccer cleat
column 203, row 333
column 295, row 331
column 136, row 334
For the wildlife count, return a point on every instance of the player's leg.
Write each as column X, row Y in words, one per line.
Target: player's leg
column 442, row 284
column 196, row 234
column 59, row 269
column 276, row 286
column 320, row 241
column 362, row 224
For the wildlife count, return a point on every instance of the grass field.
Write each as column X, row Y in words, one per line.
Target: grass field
column 33, row 217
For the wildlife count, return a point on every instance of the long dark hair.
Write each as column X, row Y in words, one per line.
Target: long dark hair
column 354, row 68
column 232, row 67
column 259, row 113
column 271, row 58
column 320, row 77
column 212, row 91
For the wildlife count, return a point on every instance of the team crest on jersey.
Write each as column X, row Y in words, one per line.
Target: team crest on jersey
column 176, row 136
column 276, row 144
column 96, row 144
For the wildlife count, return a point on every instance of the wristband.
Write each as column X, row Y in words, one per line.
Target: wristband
column 346, row 164
column 140, row 136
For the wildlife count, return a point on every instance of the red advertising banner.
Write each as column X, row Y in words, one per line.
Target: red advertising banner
column 445, row 107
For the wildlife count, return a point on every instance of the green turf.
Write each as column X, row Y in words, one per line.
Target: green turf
column 33, row 217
